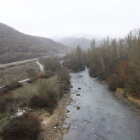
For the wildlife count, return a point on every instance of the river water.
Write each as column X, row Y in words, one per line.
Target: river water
column 101, row 115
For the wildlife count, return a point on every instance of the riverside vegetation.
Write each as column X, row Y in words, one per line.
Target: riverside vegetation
column 39, row 93
column 115, row 60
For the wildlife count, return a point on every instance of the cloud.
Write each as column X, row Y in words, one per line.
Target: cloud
column 61, row 18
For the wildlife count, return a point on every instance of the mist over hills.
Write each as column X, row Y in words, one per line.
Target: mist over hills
column 15, row 46
column 73, row 42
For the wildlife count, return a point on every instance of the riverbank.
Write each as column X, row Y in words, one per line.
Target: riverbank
column 53, row 126
column 132, row 102
column 46, row 98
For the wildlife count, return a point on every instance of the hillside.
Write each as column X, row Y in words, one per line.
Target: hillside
column 15, row 46
column 74, row 42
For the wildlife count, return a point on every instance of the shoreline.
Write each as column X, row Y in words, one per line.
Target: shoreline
column 132, row 105
column 53, row 126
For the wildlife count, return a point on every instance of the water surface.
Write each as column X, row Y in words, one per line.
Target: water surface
column 101, row 116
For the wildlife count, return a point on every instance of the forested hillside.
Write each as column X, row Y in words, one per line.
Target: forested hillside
column 15, row 46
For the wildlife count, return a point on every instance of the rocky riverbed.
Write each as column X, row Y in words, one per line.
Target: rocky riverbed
column 101, row 116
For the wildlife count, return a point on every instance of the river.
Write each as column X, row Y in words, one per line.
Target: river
column 101, row 115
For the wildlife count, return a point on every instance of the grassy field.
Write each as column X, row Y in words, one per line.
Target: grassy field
column 16, row 72
column 29, row 99
column 23, row 95
column 30, row 89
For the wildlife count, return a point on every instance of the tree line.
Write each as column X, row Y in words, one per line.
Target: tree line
column 115, row 60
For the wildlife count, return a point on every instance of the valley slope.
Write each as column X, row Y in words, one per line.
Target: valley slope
column 16, row 46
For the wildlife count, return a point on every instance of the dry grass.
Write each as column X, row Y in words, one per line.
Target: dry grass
column 16, row 72
column 30, row 89
column 22, row 96
column 134, row 99
column 23, row 127
column 120, row 90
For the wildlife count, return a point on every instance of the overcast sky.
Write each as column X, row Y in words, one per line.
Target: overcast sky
column 60, row 18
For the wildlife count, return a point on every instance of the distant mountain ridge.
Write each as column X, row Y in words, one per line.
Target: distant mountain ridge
column 15, row 46
column 73, row 42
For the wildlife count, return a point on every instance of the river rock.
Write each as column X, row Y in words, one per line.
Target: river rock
column 78, row 107
column 68, row 111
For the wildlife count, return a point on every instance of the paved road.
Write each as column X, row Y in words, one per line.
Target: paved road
column 101, row 116
column 28, row 60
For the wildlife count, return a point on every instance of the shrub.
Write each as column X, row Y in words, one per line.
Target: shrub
column 49, row 73
column 32, row 74
column 25, row 127
column 113, row 81
column 3, row 104
column 51, row 64
column 6, row 102
column 134, row 86
column 46, row 87
column 52, row 96
column 61, row 91
column 9, row 99
column 4, row 91
column 64, row 76
column 41, row 101
column 13, row 85
column 48, row 90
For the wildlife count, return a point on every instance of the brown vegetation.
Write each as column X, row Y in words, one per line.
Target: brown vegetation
column 41, row 94
column 75, row 60
column 25, row 127
column 16, row 46
column 117, row 61
column 17, row 72
column 32, row 75
column 51, row 65
column 13, row 85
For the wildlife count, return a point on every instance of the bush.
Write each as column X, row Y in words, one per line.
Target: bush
column 6, row 102
column 64, row 76
column 51, row 64
column 13, row 85
column 134, row 86
column 61, row 91
column 49, row 73
column 32, row 74
column 46, row 88
column 25, row 127
column 9, row 99
column 113, row 82
column 41, row 101
column 4, row 91
column 3, row 104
